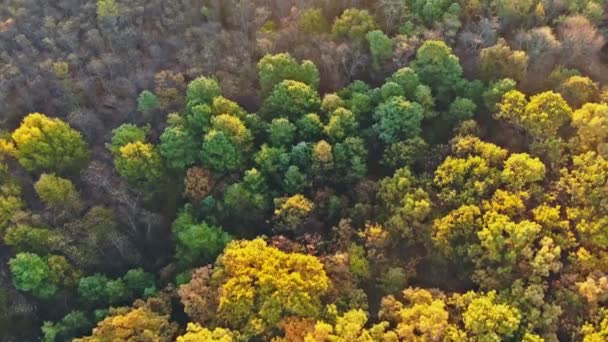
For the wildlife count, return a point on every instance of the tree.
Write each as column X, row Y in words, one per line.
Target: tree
column 32, row 274
column 438, row 68
column 178, row 147
column 24, row 238
column 274, row 69
column 198, row 183
column 579, row 90
column 292, row 99
column 139, row 281
column 407, row 153
column 596, row 330
column 281, row 132
column 197, row 242
column 272, row 162
column 139, row 163
column 424, row 315
column 487, row 320
column 107, row 9
column 398, row 119
column 521, row 170
column 350, row 327
column 500, row 61
column 116, row 292
column 461, row 109
column 92, row 289
column 291, row 212
column 342, row 123
column 350, row 160
column 310, row 127
column 202, row 90
column 75, row 323
column 147, row 102
column 131, row 324
column 493, row 95
column 313, row 21
column 49, row 144
column 195, row 332
column 261, row 284
column 406, row 204
column 295, row 181
column 220, row 154
column 124, row 134
column 354, row 24
column 380, row 45
column 57, row 193
column 248, row 199
column 542, row 117
column 466, row 181
column 591, row 123
column 407, row 79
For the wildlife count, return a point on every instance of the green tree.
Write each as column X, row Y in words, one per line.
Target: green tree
column 350, row 160
column 310, row 127
column 274, row 69
column 202, row 90
column 220, row 154
column 461, row 109
column 407, row 79
column 248, row 199
column 57, row 193
column 281, row 132
column 292, row 99
column 116, row 292
column 380, row 45
column 92, row 289
column 31, row 274
column 295, row 181
column 438, row 68
column 75, row 323
column 398, row 119
column 178, row 147
column 49, row 144
column 197, row 242
column 139, row 281
column 354, row 24
column 342, row 123
column 147, row 102
column 407, row 153
column 272, row 162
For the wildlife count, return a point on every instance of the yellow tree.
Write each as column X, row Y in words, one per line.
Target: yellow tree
column 48, row 144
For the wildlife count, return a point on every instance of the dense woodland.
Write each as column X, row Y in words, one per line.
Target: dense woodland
column 303, row 170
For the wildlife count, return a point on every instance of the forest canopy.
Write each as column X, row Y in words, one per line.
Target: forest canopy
column 303, row 170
